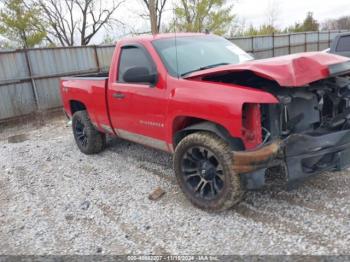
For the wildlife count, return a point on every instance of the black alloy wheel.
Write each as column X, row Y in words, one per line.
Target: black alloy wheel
column 88, row 138
column 203, row 173
column 203, row 165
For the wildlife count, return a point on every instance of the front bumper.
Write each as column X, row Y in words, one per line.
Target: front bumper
column 300, row 155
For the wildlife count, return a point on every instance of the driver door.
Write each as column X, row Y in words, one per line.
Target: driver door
column 137, row 110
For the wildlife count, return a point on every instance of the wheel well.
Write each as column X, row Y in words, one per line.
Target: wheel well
column 76, row 106
column 185, row 126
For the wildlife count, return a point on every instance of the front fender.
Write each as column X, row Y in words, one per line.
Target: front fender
column 214, row 102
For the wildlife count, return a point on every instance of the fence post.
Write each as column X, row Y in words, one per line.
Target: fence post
column 273, row 44
column 96, row 58
column 29, row 67
column 329, row 38
column 289, row 44
column 305, row 43
column 318, row 40
column 253, row 52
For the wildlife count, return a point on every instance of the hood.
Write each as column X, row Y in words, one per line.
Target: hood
column 289, row 71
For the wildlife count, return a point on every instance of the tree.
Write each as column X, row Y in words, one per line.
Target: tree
column 264, row 29
column 343, row 23
column 297, row 27
column 272, row 14
column 309, row 24
column 201, row 15
column 337, row 24
column 270, row 25
column 108, row 40
column 155, row 9
column 237, row 28
column 77, row 21
column 19, row 22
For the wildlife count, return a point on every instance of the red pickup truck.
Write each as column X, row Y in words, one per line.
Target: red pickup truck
column 229, row 120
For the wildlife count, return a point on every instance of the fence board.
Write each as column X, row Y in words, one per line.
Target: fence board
column 13, row 66
column 104, row 54
column 48, row 93
column 16, row 100
column 46, row 62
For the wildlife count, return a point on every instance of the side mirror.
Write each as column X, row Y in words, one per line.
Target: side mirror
column 139, row 75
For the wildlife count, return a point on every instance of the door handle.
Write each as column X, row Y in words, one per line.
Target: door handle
column 118, row 95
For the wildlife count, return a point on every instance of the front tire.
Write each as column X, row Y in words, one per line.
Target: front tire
column 203, row 167
column 88, row 138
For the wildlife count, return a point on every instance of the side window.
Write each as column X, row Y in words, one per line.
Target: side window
column 132, row 56
column 343, row 44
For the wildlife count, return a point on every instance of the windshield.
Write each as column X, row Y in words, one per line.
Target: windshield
column 197, row 53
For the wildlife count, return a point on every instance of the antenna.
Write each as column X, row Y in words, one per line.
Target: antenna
column 175, row 39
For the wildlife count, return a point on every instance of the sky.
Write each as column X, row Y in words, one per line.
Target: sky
column 289, row 11
column 247, row 12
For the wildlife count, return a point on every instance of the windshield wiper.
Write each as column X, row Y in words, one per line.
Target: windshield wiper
column 203, row 68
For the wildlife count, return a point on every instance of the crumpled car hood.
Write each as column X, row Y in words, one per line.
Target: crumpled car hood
column 288, row 71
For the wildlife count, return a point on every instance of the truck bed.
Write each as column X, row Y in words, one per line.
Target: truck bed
column 90, row 90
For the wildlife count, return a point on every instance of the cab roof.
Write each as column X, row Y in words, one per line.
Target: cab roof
column 150, row 38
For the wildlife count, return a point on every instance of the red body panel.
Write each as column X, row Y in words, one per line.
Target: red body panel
column 289, row 71
column 215, row 102
column 90, row 92
column 152, row 115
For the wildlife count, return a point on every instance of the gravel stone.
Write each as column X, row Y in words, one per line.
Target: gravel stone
column 41, row 205
column 156, row 194
column 85, row 205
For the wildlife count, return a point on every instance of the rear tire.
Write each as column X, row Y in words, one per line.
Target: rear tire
column 203, row 167
column 88, row 138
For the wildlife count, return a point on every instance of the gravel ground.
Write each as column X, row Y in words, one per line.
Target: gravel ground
column 55, row 200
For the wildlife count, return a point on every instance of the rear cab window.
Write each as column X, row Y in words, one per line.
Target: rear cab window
column 343, row 44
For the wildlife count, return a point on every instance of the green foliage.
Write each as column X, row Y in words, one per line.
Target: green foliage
column 262, row 30
column 108, row 40
column 309, row 24
column 20, row 23
column 201, row 15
